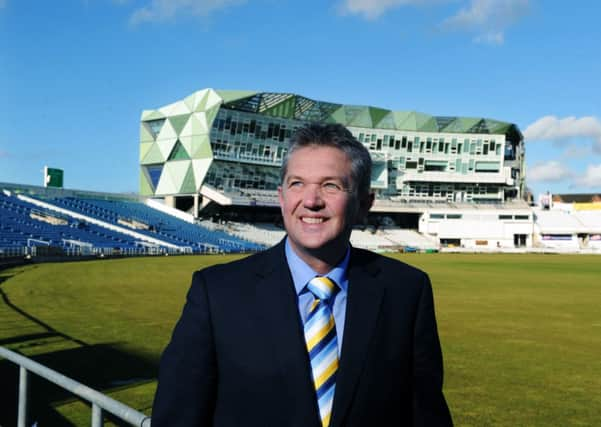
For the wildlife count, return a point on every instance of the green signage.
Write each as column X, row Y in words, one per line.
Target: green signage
column 53, row 177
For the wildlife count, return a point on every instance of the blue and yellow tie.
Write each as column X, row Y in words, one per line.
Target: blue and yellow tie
column 322, row 344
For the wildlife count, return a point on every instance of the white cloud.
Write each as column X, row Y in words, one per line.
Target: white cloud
column 554, row 129
column 488, row 18
column 574, row 151
column 165, row 10
column 372, row 9
column 591, row 178
column 551, row 171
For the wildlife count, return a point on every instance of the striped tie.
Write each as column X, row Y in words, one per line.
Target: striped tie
column 320, row 335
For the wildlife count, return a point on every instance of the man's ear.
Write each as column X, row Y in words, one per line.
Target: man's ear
column 281, row 198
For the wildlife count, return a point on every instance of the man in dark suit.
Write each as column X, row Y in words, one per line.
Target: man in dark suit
column 311, row 332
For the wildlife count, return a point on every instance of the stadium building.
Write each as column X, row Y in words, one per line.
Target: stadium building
column 216, row 153
column 210, row 167
column 234, row 141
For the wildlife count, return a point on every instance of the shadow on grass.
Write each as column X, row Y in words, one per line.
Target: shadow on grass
column 102, row 367
column 4, row 277
column 49, row 329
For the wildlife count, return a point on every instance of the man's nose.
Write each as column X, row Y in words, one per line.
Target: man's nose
column 312, row 196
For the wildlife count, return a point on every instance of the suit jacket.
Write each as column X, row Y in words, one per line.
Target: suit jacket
column 237, row 356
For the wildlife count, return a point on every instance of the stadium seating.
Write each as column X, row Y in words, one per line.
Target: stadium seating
column 152, row 223
column 556, row 221
column 589, row 219
column 266, row 234
column 25, row 225
column 408, row 238
column 118, row 225
column 373, row 241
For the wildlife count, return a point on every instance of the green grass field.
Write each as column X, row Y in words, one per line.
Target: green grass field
column 521, row 334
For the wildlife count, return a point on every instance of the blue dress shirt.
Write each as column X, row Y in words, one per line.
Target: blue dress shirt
column 302, row 273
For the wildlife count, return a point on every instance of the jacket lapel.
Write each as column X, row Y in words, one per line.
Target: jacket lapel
column 362, row 308
column 277, row 307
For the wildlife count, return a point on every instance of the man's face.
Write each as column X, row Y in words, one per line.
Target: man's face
column 318, row 204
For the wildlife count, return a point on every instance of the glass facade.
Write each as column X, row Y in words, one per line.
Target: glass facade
column 237, row 140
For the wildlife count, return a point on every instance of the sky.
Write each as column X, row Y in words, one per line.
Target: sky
column 75, row 75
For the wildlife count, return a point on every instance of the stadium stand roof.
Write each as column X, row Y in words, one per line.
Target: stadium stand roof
column 577, row 198
column 292, row 106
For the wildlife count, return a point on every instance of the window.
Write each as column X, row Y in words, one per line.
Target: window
column 450, row 243
column 435, row 166
column 454, row 216
column 557, row 237
column 487, row 167
column 178, row 152
column 436, row 216
column 411, row 165
column 155, row 125
column 155, row 173
column 505, row 217
column 522, row 217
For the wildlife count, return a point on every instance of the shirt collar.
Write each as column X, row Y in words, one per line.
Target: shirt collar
column 302, row 273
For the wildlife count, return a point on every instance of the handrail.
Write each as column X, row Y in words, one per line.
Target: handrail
column 99, row 401
column 29, row 240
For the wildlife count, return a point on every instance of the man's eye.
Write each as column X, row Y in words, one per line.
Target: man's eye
column 295, row 184
column 331, row 187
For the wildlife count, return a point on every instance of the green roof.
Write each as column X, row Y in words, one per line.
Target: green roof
column 297, row 107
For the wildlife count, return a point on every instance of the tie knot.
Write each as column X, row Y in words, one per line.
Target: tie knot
column 322, row 288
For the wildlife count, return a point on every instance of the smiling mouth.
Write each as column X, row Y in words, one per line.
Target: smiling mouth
column 309, row 220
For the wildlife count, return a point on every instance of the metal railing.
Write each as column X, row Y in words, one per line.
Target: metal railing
column 77, row 251
column 99, row 401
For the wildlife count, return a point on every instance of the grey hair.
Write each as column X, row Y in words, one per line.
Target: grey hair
column 337, row 136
